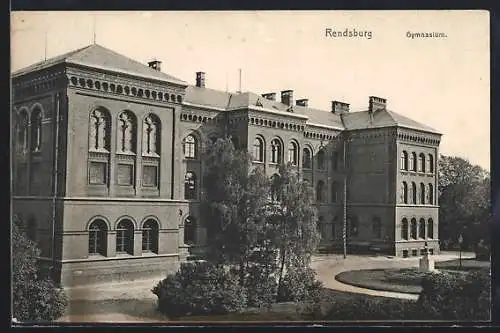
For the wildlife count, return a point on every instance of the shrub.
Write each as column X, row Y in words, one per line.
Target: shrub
column 362, row 307
column 34, row 298
column 448, row 296
column 261, row 287
column 200, row 288
column 298, row 285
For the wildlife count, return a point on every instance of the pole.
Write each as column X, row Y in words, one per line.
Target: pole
column 55, row 168
column 344, row 227
column 240, row 79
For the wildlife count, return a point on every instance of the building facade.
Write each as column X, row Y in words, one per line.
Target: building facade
column 107, row 168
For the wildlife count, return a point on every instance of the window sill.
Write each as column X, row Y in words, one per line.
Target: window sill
column 258, row 162
column 194, row 159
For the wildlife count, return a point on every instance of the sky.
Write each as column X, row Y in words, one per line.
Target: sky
column 443, row 82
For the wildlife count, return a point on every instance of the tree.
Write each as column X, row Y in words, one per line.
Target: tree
column 464, row 199
column 34, row 298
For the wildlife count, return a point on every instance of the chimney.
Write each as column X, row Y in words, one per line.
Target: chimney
column 270, row 96
column 287, row 97
column 200, row 79
column 302, row 102
column 155, row 64
column 339, row 107
column 376, row 103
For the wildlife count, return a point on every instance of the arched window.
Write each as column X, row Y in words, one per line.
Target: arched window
column 320, row 188
column 22, row 134
column 404, row 160
column 413, row 228
column 293, row 153
column 431, row 195
column 404, row 229
column 377, row 227
column 404, row 192
column 125, row 237
column 413, row 165
column 276, row 151
column 422, row 193
column 430, row 228
column 36, row 130
column 190, row 186
column 321, row 159
column 334, row 192
column 421, row 162
column 431, row 163
column 190, row 150
column 100, row 128
column 151, row 135
column 306, row 158
column 189, row 230
column 421, row 228
column 413, row 193
column 353, row 226
column 150, row 236
column 258, row 150
column 98, row 235
column 126, row 132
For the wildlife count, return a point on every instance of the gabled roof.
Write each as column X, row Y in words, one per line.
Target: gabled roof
column 97, row 56
column 381, row 118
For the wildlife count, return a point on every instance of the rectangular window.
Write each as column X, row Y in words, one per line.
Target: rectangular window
column 98, row 173
column 125, row 174
column 150, row 175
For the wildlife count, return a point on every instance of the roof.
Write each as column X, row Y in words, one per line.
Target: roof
column 382, row 118
column 97, row 56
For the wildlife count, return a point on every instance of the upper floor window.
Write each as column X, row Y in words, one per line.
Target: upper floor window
column 430, row 228
column 421, row 228
column 413, row 165
column 320, row 189
column 293, row 153
column 258, row 150
column 100, row 126
column 431, row 194
column 151, row 135
column 404, row 160
column 404, row 229
column 36, row 130
column 190, row 147
column 422, row 193
column 413, row 193
column 321, row 159
column 190, row 186
column 421, row 163
column 413, row 228
column 335, row 160
column 276, row 151
column 22, row 132
column 306, row 158
column 404, row 192
column 126, row 132
column 431, row 163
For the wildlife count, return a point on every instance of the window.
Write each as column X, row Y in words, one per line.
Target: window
column 431, row 163
column 404, row 160
column 190, row 186
column 32, row 229
column 126, row 132
column 150, row 175
column 414, row 252
column 320, row 227
column 190, row 147
column 125, row 237
column 36, row 130
column 276, row 151
column 422, row 193
column 335, row 161
column 404, row 229
column 99, row 130
column 98, row 231
column 275, row 188
column 377, row 227
column 413, row 165
column 151, row 135
column 404, row 192
column 334, row 192
column 405, row 253
column 258, row 150
column 413, row 228
column 321, row 159
column 306, row 158
column 150, row 236
column 413, row 193
column 431, row 195
column 189, row 230
column 22, row 134
column 320, row 188
column 293, row 153
column 421, row 163
column 430, row 228
column 421, row 228
column 125, row 174
column 353, row 226
column 334, row 227
column 98, row 173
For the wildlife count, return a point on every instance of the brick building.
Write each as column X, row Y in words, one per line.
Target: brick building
column 107, row 169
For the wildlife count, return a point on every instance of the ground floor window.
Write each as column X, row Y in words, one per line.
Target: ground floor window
column 150, row 236
column 125, row 237
column 97, row 237
column 189, row 230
